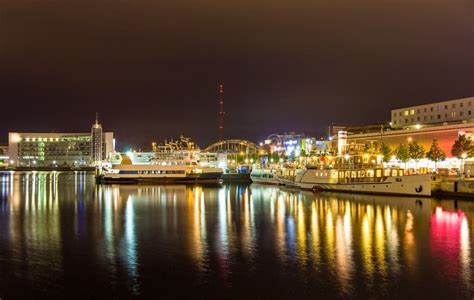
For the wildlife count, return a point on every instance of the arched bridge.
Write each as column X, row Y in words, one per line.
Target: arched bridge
column 233, row 146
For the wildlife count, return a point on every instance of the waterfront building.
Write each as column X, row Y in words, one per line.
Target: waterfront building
column 452, row 111
column 444, row 134
column 4, row 158
column 293, row 144
column 97, row 142
column 60, row 149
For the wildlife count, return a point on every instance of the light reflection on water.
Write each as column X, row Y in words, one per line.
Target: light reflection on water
column 57, row 229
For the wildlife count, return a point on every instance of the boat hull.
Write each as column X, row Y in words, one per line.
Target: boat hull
column 207, row 178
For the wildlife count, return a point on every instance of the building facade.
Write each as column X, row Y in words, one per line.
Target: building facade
column 293, row 144
column 97, row 143
column 452, row 111
column 55, row 149
column 444, row 134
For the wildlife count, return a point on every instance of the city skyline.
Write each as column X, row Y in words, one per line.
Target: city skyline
column 152, row 70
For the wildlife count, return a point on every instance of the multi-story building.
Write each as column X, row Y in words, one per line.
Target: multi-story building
column 293, row 144
column 451, row 111
column 59, row 149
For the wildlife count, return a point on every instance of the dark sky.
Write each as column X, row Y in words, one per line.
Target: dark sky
column 151, row 68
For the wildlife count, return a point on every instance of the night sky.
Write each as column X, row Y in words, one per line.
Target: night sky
column 151, row 69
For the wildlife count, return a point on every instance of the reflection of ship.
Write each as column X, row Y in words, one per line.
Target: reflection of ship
column 264, row 176
column 171, row 163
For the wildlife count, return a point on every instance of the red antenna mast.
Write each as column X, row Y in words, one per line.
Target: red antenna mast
column 221, row 112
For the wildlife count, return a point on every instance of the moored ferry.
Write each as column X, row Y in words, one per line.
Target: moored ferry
column 366, row 180
column 172, row 162
column 160, row 174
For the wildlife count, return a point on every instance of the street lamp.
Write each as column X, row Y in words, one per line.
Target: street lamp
column 463, row 156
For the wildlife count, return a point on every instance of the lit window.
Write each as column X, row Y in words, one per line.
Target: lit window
column 412, row 112
column 406, row 113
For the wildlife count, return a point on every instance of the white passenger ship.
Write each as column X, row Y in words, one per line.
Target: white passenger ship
column 366, row 180
column 173, row 162
column 160, row 174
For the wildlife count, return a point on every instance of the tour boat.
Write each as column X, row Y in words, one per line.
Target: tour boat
column 264, row 176
column 365, row 180
column 173, row 162
column 160, row 174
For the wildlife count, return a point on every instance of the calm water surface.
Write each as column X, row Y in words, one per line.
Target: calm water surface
column 61, row 235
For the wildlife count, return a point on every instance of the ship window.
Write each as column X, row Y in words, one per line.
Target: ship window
column 378, row 173
column 386, row 172
column 370, row 173
column 353, row 174
column 400, row 172
column 394, row 173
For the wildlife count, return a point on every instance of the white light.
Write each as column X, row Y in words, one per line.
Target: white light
column 417, row 126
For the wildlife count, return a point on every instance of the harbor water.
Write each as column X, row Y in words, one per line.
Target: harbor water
column 61, row 235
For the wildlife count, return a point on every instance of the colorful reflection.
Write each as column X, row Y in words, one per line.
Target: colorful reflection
column 230, row 235
column 450, row 244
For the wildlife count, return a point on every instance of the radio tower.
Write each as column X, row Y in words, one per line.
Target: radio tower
column 221, row 112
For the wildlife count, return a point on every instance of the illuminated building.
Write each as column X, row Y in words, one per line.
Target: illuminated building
column 4, row 159
column 293, row 144
column 59, row 149
column 97, row 142
column 459, row 110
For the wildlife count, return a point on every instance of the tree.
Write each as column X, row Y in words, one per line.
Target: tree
column 401, row 152
column 386, row 152
column 435, row 153
column 462, row 145
column 416, row 151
